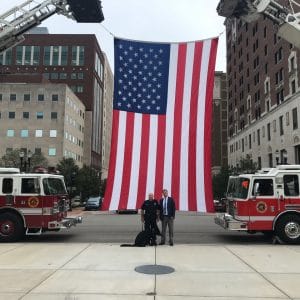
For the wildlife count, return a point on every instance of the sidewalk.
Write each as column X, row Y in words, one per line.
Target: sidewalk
column 107, row 271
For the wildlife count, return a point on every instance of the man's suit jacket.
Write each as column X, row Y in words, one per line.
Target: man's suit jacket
column 171, row 207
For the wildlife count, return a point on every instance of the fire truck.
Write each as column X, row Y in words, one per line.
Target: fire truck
column 32, row 203
column 268, row 202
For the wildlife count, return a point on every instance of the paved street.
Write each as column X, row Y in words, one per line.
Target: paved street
column 109, row 227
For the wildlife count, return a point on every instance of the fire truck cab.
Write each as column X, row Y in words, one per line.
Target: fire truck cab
column 31, row 203
column 268, row 202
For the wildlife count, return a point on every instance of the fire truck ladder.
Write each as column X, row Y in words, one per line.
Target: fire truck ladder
column 18, row 20
column 287, row 19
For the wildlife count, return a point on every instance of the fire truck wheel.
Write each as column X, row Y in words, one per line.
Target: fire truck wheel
column 11, row 227
column 288, row 229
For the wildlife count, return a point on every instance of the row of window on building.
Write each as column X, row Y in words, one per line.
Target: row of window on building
column 73, row 155
column 265, row 131
column 38, row 151
column 26, row 115
column 53, row 56
column 24, row 133
column 73, row 139
column 27, row 97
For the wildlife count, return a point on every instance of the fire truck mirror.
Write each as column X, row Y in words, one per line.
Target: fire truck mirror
column 256, row 189
column 9, row 199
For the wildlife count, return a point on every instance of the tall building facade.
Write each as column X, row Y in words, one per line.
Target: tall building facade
column 263, row 94
column 219, row 125
column 72, row 59
column 107, row 116
column 42, row 118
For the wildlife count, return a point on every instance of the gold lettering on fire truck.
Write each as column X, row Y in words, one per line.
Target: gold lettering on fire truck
column 33, row 201
column 261, row 207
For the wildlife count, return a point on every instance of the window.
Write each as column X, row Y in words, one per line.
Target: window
column 259, row 162
column 54, row 97
column 250, row 143
column 38, row 151
column 269, row 131
column 0, row 114
column 295, row 118
column 25, row 115
column 28, row 55
column 7, row 185
column 26, row 97
column 0, row 97
column 11, row 115
column 281, row 125
column 24, row 133
column 41, row 97
column 54, row 75
column 291, row 185
column 73, row 76
column 10, row 133
column 53, row 133
column 6, row 57
column 293, row 86
column 263, row 187
column 53, row 115
column 39, row 133
column 258, row 137
column 55, row 55
column 80, row 75
column 29, row 186
column 52, row 151
column 40, row 115
column 13, row 97
column 63, row 76
column 77, row 56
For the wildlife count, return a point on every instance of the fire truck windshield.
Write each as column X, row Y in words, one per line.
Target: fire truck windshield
column 54, row 186
column 238, row 187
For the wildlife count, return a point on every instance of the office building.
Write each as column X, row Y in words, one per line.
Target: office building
column 42, row 118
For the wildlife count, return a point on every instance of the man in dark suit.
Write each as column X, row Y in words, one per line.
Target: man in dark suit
column 167, row 216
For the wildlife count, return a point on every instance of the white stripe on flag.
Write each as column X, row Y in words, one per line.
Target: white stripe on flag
column 201, row 206
column 135, row 164
column 119, row 161
column 152, row 151
column 170, row 118
column 184, row 156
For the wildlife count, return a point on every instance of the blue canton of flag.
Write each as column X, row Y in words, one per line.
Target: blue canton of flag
column 141, row 76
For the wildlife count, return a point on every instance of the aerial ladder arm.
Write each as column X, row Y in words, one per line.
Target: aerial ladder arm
column 286, row 18
column 18, row 20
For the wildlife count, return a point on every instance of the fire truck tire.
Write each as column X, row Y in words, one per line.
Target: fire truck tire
column 288, row 229
column 11, row 227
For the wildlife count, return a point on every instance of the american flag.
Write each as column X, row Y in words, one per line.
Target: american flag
column 162, row 124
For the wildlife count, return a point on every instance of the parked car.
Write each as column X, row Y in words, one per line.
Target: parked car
column 93, row 203
column 220, row 205
column 76, row 201
column 127, row 211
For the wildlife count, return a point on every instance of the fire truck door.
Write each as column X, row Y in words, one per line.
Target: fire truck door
column 290, row 200
column 263, row 201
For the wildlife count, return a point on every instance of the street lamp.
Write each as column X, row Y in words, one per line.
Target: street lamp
column 277, row 157
column 25, row 160
column 285, row 157
column 21, row 155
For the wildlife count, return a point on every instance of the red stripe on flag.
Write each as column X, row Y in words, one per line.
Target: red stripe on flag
column 178, row 123
column 192, row 188
column 207, row 132
column 127, row 161
column 112, row 161
column 143, row 160
column 160, row 156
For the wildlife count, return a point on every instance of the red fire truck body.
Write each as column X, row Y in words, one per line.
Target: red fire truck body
column 268, row 202
column 32, row 203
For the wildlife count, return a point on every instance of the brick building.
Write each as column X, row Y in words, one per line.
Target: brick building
column 72, row 59
column 219, row 125
column 263, row 94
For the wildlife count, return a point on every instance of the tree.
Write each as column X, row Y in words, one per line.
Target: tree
column 68, row 168
column 220, row 181
column 88, row 182
column 246, row 165
column 12, row 159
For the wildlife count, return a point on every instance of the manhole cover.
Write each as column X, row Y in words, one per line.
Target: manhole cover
column 154, row 269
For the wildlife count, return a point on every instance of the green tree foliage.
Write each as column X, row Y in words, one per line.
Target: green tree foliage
column 88, row 182
column 12, row 159
column 220, row 181
column 68, row 168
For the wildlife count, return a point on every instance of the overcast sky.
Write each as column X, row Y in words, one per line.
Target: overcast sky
column 156, row 20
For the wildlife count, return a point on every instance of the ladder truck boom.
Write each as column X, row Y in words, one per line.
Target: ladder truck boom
column 286, row 18
column 18, row 20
